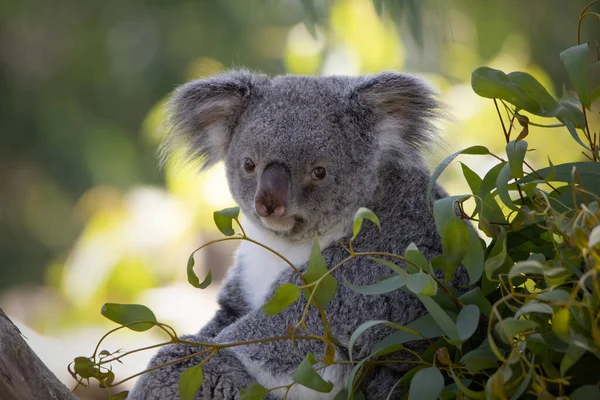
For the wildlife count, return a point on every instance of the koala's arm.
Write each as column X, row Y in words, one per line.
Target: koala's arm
column 273, row 363
column 163, row 383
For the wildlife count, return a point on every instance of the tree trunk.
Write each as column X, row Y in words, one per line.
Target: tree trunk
column 23, row 376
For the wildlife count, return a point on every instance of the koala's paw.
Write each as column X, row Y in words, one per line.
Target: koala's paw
column 224, row 377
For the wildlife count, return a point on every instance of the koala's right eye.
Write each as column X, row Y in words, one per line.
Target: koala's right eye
column 249, row 165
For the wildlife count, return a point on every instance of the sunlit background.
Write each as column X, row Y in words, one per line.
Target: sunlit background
column 86, row 217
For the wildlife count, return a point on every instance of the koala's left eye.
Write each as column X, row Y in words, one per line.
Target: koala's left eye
column 249, row 165
column 318, row 174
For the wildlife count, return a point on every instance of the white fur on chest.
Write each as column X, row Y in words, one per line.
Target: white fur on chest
column 260, row 268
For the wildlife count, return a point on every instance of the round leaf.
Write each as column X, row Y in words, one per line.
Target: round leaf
column 467, row 321
column 427, row 384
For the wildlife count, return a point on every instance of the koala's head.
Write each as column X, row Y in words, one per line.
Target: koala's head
column 302, row 154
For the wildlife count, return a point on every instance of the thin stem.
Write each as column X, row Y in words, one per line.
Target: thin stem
column 506, row 136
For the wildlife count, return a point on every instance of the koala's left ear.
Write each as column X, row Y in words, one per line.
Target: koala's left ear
column 203, row 114
column 405, row 108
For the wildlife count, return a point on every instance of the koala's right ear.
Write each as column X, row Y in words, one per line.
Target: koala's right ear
column 202, row 115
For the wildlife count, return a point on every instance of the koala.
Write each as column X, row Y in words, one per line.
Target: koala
column 302, row 154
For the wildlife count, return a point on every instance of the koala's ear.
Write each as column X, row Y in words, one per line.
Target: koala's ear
column 405, row 109
column 203, row 114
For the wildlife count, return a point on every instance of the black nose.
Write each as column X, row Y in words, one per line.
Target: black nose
column 271, row 197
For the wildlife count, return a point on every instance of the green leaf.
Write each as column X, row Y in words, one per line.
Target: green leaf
column 471, row 394
column 467, row 321
column 476, row 297
column 190, row 382
column 473, row 260
column 554, row 295
column 586, row 392
column 560, row 323
column 589, row 174
column 427, row 384
column 424, row 327
column 480, row 359
column 421, row 284
column 571, row 357
column 140, row 317
column 573, row 132
column 455, row 241
column 85, row 367
column 327, row 289
column 594, row 238
column 285, row 296
column 445, row 209
column 391, row 265
column 495, row 84
column 508, row 328
column 359, row 331
column 361, row 214
column 472, row 179
column 527, row 267
column 534, row 307
column 416, row 260
column 515, row 152
column 384, row 286
column 440, row 317
column 253, row 392
column 193, row 278
column 504, row 176
column 577, row 62
column 305, row 375
column 224, row 220
column 549, row 106
column 475, row 150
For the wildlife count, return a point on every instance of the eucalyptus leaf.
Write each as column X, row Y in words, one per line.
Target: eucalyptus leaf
column 284, row 296
column 473, row 150
column 515, row 152
column 224, row 220
column 427, row 384
column 306, row 376
column 190, row 382
column 362, row 214
column 193, row 278
column 441, row 317
column 384, row 286
column 136, row 316
column 253, row 392
column 327, row 288
column 467, row 321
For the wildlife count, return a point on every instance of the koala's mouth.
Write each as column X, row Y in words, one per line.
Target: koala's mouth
column 287, row 225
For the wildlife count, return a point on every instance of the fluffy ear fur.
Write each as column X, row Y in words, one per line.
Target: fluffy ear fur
column 202, row 115
column 405, row 108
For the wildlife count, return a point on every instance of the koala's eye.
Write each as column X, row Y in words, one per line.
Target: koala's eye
column 249, row 165
column 318, row 174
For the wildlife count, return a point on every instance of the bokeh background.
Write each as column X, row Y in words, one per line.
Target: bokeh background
column 86, row 217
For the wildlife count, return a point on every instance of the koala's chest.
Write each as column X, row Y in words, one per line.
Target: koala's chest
column 260, row 268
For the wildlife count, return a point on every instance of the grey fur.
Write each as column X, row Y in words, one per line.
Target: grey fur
column 302, row 122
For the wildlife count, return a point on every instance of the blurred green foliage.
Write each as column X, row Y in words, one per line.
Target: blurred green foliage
column 81, row 83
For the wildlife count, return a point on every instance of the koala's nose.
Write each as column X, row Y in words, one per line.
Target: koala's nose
column 271, row 197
